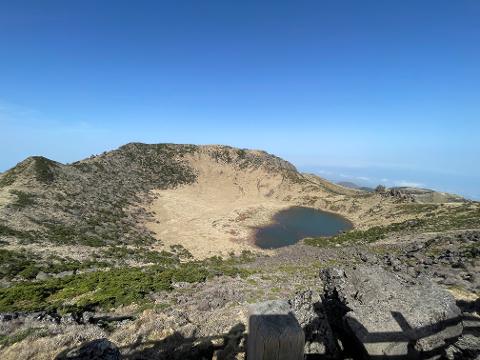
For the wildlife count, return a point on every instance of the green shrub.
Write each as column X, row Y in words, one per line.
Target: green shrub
column 181, row 252
column 27, row 265
column 13, row 263
column 112, row 288
column 8, row 340
column 363, row 236
column 450, row 218
column 70, row 235
column 140, row 255
column 7, row 231
column 44, row 169
column 29, row 272
column 23, row 199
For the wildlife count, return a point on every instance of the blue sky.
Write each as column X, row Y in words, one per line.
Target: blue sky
column 351, row 89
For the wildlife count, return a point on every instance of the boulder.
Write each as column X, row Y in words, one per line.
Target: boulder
column 100, row 349
column 467, row 347
column 8, row 316
column 42, row 276
column 383, row 314
column 310, row 313
column 87, row 317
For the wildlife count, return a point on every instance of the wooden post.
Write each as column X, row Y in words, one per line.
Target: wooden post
column 274, row 332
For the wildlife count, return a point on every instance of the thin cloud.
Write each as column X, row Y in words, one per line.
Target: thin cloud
column 405, row 183
column 324, row 172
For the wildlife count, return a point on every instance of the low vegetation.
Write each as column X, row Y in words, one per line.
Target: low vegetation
column 9, row 177
column 44, row 169
column 448, row 218
column 353, row 237
column 8, row 340
column 123, row 254
column 62, row 234
column 13, row 263
column 24, row 265
column 114, row 287
column 414, row 208
column 23, row 199
column 7, row 231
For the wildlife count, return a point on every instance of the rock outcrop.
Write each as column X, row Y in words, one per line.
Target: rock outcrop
column 377, row 313
column 100, row 349
column 310, row 313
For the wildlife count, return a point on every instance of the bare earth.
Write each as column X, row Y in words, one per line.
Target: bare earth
column 217, row 220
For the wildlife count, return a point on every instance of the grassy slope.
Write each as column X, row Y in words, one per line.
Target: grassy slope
column 115, row 286
column 430, row 218
column 88, row 203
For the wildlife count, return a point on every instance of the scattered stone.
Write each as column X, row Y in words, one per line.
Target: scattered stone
column 8, row 316
column 42, row 276
column 37, row 315
column 181, row 285
column 70, row 318
column 52, row 317
column 188, row 331
column 87, row 317
column 64, row 273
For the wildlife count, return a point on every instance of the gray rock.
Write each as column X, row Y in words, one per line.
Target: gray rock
column 204, row 305
column 70, row 318
column 310, row 313
column 367, row 257
column 100, row 349
column 37, row 315
column 53, row 317
column 64, row 273
column 42, row 276
column 8, row 316
column 181, row 285
column 381, row 313
column 87, row 317
column 467, row 347
column 188, row 330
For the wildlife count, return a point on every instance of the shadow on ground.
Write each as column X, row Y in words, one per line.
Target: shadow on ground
column 353, row 349
column 176, row 346
column 227, row 346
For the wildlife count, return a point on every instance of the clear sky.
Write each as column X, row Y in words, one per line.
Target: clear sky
column 387, row 91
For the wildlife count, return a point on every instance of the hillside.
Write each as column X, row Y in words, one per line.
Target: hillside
column 143, row 195
column 165, row 232
column 352, row 185
column 102, row 200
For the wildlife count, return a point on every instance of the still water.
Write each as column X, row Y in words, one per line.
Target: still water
column 296, row 223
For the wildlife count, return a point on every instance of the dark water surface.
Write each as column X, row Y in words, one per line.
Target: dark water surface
column 297, row 223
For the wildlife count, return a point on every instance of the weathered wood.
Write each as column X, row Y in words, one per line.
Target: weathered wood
column 274, row 332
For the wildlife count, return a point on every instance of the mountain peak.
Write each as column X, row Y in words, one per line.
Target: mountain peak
column 38, row 168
